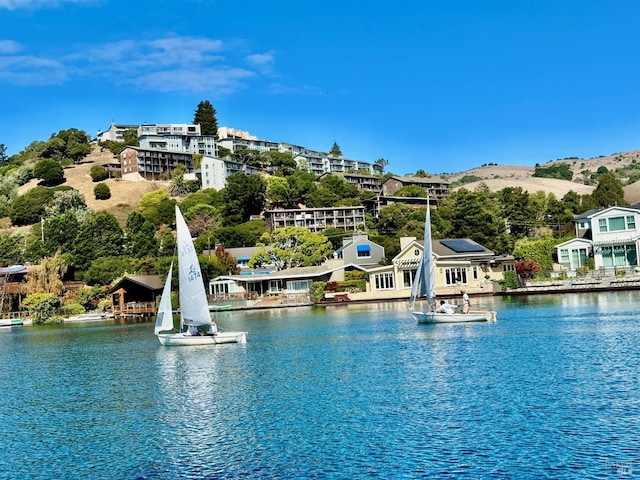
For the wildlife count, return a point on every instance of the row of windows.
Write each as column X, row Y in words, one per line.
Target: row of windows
column 453, row 276
column 616, row 224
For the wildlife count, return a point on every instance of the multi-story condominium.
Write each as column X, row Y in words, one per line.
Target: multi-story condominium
column 115, row 132
column 168, row 129
column 151, row 164
column 214, row 171
column 317, row 219
column 371, row 183
column 434, row 186
column 309, row 160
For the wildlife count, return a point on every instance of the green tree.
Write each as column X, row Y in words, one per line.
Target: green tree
column 105, row 270
column 11, row 249
column 158, row 207
column 538, row 250
column 277, row 192
column 140, row 240
column 244, row 235
column 60, row 232
column 68, row 200
column 49, row 171
column 243, row 196
column 102, row 191
column 3, row 153
column 382, row 164
column 335, row 150
column 30, row 207
column 100, row 236
column 205, row 115
column 130, row 137
column 475, row 215
column 301, row 184
column 609, row 191
column 298, row 247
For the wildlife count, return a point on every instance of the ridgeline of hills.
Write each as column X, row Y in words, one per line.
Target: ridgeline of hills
column 126, row 195
column 584, row 172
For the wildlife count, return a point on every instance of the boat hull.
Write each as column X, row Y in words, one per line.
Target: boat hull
column 11, row 322
column 436, row 317
column 185, row 340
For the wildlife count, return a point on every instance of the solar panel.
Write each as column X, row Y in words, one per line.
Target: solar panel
column 461, row 245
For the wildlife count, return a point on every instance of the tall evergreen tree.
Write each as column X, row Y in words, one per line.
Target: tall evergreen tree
column 609, row 191
column 205, row 115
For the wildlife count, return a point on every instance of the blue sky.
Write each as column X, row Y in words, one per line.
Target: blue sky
column 438, row 85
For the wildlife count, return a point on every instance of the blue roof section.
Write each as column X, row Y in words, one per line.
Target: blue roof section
column 461, row 245
column 12, row 269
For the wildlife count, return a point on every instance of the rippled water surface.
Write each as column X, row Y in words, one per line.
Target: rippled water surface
column 552, row 390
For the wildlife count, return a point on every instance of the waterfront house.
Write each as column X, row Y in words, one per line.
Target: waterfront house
column 610, row 235
column 135, row 295
column 459, row 263
column 359, row 250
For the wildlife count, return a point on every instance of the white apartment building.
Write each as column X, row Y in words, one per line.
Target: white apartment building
column 309, row 160
column 214, row 171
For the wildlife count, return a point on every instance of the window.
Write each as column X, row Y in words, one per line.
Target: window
column 475, row 272
column 616, row 224
column 455, row 275
column 384, row 281
column 579, row 256
column 619, row 256
column 603, row 224
column 275, row 286
column 508, row 267
column 407, row 277
column 298, row 285
column 631, row 222
column 564, row 255
column 364, row 251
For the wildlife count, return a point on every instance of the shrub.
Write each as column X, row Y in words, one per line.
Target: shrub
column 43, row 306
column 510, row 280
column 102, row 191
column 98, row 173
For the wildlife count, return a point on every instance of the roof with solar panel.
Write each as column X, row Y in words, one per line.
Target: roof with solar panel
column 459, row 246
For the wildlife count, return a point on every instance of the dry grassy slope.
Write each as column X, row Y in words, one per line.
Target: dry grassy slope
column 497, row 177
column 125, row 196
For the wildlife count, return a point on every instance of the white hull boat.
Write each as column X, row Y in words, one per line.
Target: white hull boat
column 194, row 308
column 185, row 339
column 424, row 287
column 437, row 317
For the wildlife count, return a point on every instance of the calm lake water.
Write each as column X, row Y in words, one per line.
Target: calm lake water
column 552, row 390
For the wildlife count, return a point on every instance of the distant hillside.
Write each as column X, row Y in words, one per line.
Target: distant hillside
column 625, row 165
column 125, row 195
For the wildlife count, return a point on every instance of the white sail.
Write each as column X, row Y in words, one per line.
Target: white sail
column 194, row 308
column 424, row 283
column 164, row 317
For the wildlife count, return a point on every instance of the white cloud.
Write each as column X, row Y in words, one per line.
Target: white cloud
column 9, row 46
column 34, row 4
column 29, row 70
column 162, row 64
column 262, row 61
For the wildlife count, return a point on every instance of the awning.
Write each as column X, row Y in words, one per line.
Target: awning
column 363, row 248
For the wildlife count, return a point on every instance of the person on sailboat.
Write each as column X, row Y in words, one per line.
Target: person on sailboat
column 193, row 330
column 466, row 304
column 445, row 307
column 213, row 328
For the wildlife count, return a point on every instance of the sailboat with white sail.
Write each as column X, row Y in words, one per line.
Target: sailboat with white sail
column 194, row 308
column 424, row 287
